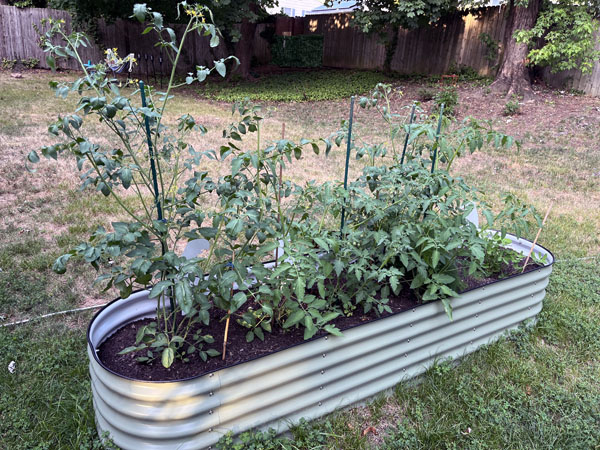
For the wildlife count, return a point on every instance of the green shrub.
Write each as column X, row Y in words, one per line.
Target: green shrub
column 30, row 63
column 449, row 97
column 8, row 64
column 298, row 51
column 464, row 72
column 425, row 94
column 512, row 107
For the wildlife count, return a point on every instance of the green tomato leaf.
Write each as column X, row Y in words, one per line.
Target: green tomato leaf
column 294, row 318
column 33, row 157
column 299, row 288
column 447, row 307
column 139, row 12
column 60, row 265
column 126, row 177
column 435, row 258
column 167, row 357
column 159, row 288
column 259, row 333
column 221, row 68
column 237, row 301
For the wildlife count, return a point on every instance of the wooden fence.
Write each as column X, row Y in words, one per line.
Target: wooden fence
column 456, row 40
column 20, row 41
column 429, row 50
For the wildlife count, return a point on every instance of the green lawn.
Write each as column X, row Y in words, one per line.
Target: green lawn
column 538, row 388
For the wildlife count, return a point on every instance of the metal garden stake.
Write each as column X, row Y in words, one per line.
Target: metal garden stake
column 153, row 172
column 347, row 159
column 412, row 117
column 152, row 165
column 437, row 138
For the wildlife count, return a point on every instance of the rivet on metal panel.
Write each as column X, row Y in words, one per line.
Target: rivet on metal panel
column 414, row 310
column 406, row 355
column 479, row 302
column 210, row 394
column 320, row 403
column 529, row 308
column 326, row 337
column 210, row 430
column 211, row 375
column 210, row 412
column 474, row 329
column 411, row 325
column 476, row 315
column 321, row 388
column 324, row 355
column 408, row 340
column 531, row 295
column 471, row 343
column 322, row 372
column 404, row 370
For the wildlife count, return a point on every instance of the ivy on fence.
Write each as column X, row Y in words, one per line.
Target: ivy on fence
column 298, row 51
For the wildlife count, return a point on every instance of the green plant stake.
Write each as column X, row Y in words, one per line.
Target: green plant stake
column 347, row 159
column 154, row 177
column 152, row 166
column 437, row 137
column 412, row 116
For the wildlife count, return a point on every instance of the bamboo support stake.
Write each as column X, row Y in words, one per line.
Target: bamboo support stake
column 226, row 333
column 537, row 237
column 228, row 318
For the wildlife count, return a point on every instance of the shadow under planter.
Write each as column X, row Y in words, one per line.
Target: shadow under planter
column 308, row 380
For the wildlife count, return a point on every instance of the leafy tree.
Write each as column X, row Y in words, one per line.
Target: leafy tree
column 539, row 32
column 25, row 3
column 236, row 19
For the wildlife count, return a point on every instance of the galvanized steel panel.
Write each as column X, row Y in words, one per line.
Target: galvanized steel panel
column 308, row 380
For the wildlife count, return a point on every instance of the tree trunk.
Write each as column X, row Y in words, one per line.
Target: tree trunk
column 244, row 48
column 391, row 43
column 513, row 76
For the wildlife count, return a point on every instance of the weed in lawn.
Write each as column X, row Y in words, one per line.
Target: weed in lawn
column 296, row 86
column 448, row 96
column 512, row 107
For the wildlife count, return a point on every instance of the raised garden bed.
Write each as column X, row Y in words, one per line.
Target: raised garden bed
column 306, row 380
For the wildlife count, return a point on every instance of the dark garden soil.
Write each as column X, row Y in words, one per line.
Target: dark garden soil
column 238, row 350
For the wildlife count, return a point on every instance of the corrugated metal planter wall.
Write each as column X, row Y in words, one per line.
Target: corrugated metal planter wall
column 308, row 380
